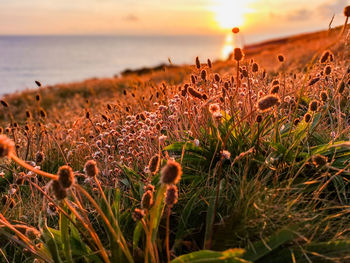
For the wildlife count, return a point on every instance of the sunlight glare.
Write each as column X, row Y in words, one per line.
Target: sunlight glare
column 230, row 13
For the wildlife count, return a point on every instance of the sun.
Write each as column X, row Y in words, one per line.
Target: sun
column 230, row 13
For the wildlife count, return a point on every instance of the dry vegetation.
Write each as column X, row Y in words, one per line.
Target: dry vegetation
column 247, row 157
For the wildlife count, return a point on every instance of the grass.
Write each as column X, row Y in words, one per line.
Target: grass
column 256, row 186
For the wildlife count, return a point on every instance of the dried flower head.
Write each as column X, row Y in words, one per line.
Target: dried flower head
column 238, row 54
column 255, row 67
column 274, row 89
column 198, row 63
column 324, row 96
column 267, row 102
column 194, row 93
column 171, row 195
column 324, row 56
column 90, row 168
column 59, row 192
column 149, row 187
column 153, row 164
column 319, row 160
column 258, row 118
column 313, row 106
column 39, row 157
column 203, row 74
column 307, row 117
column 7, row 146
column 147, row 200
column 327, row 70
column 171, row 173
column 280, row 58
column 341, row 87
column 65, row 176
column 138, row 214
column 347, row 11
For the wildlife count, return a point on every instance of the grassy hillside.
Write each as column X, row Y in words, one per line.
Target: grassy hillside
column 245, row 160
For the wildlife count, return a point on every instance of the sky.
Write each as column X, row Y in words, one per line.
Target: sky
column 258, row 19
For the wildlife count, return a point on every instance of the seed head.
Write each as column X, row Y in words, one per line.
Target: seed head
column 313, row 106
column 341, row 87
column 319, row 160
column 258, row 118
column 203, row 74
column 7, row 146
column 238, row 54
column 59, row 192
column 313, row 81
column 171, row 173
column 307, row 117
column 194, row 93
column 274, row 89
column 347, row 11
column 39, row 157
column 149, row 187
column 296, row 121
column 4, row 103
column 138, row 214
column 255, row 67
column 90, row 168
column 324, row 56
column 280, row 58
column 328, row 70
column 32, row 233
column 171, row 195
column 153, row 164
column 198, row 63
column 65, row 176
column 147, row 200
column 209, row 63
column 217, row 77
column 267, row 102
column 38, row 83
column 324, row 96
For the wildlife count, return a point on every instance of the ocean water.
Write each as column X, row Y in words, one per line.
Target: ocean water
column 61, row 59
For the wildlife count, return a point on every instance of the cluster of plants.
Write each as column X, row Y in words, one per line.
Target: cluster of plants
column 245, row 166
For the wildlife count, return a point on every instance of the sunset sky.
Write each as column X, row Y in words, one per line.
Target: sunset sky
column 258, row 19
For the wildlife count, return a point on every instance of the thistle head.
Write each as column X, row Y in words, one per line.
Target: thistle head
column 90, row 168
column 171, row 195
column 65, row 176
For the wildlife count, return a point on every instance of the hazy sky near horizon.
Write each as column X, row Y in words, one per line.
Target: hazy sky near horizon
column 258, row 19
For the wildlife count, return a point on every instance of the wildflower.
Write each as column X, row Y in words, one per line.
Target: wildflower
column 147, row 200
column 90, row 168
column 7, row 146
column 171, row 195
column 268, row 102
column 171, row 173
column 319, row 160
column 214, row 108
column 196, row 142
column 226, row 154
column 162, row 138
column 138, row 214
column 65, row 176
column 341, row 87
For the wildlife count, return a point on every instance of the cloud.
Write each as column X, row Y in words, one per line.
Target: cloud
column 131, row 18
column 299, row 15
column 332, row 7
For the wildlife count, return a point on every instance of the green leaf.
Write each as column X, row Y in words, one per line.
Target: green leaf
column 228, row 256
column 262, row 248
column 209, row 220
column 64, row 228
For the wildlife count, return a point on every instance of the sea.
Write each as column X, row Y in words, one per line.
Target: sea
column 63, row 59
